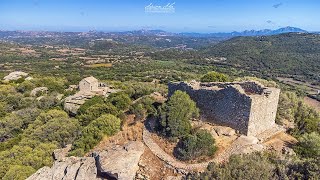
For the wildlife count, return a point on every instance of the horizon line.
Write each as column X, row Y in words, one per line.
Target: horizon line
column 156, row 29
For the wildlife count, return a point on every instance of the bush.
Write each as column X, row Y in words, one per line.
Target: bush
column 307, row 120
column 292, row 108
column 19, row 172
column 14, row 123
column 176, row 114
column 120, row 100
column 53, row 126
column 96, row 111
column 52, row 83
column 309, row 145
column 28, row 153
column 143, row 108
column 201, row 143
column 95, row 100
column 47, row 102
column 251, row 166
column 92, row 134
column 288, row 104
column 214, row 77
column 25, row 86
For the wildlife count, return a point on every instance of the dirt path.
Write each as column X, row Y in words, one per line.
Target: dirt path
column 236, row 147
column 180, row 166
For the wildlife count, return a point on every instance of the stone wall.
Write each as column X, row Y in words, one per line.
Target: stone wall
column 248, row 107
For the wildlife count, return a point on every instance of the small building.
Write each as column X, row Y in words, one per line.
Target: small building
column 89, row 84
column 88, row 88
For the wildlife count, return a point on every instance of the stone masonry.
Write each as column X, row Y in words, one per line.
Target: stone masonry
column 248, row 107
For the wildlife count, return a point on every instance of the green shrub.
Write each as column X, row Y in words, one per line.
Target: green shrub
column 25, row 86
column 251, row 166
column 53, row 84
column 120, row 100
column 292, row 108
column 309, row 145
column 214, row 77
column 96, row 110
column 95, row 100
column 143, row 108
column 19, row 172
column 92, row 134
column 201, row 143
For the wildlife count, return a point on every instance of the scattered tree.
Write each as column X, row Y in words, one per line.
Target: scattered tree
column 177, row 113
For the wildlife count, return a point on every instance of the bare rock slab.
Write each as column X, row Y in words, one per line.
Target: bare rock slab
column 121, row 162
column 71, row 168
column 44, row 173
column 223, row 130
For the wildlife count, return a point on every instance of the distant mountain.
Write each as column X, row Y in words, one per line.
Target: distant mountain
column 144, row 32
column 264, row 32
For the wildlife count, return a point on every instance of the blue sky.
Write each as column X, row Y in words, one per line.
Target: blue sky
column 189, row 15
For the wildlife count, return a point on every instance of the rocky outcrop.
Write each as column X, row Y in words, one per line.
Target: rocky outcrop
column 69, row 168
column 38, row 90
column 15, row 76
column 73, row 103
column 59, row 154
column 121, row 162
column 223, row 130
column 44, row 173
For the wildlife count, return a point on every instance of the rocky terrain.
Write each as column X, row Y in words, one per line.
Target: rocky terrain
column 119, row 162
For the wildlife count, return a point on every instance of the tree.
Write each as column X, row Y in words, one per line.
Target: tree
column 26, row 153
column 214, row 77
column 95, row 111
column 292, row 108
column 89, row 103
column 93, row 133
column 120, row 100
column 176, row 114
column 53, row 126
column 143, row 108
column 309, row 145
column 47, row 102
column 60, row 130
column 201, row 143
column 25, row 86
column 19, row 172
column 53, row 84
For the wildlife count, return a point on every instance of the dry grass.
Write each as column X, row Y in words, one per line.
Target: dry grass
column 313, row 103
column 99, row 65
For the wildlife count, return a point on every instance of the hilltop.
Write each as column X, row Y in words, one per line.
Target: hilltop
column 291, row 53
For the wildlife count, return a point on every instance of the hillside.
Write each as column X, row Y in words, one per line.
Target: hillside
column 292, row 53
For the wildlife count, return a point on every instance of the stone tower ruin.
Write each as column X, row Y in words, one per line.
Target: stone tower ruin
column 248, row 107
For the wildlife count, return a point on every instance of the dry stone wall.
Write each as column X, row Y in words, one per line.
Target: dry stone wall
column 247, row 107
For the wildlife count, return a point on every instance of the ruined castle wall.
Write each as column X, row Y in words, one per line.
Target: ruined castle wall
column 247, row 107
column 263, row 112
column 226, row 106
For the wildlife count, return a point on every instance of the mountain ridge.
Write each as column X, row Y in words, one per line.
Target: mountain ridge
column 158, row 32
